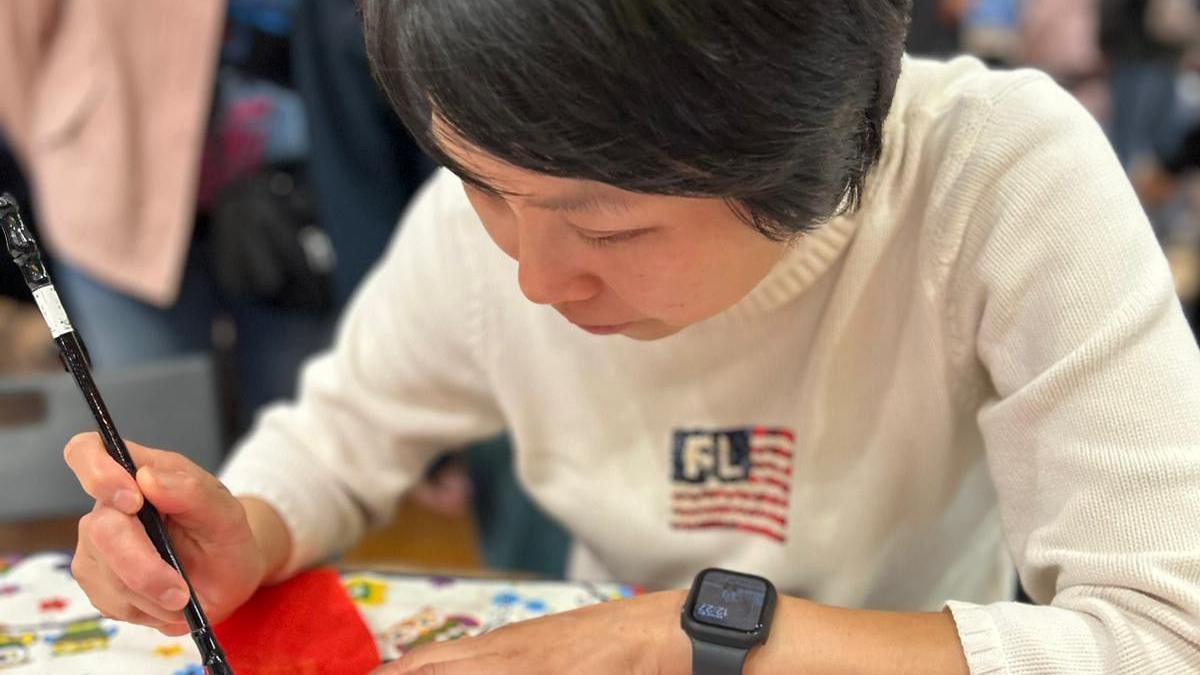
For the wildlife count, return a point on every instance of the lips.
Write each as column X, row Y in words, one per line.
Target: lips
column 607, row 329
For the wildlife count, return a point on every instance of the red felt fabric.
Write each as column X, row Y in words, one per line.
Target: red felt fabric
column 304, row 626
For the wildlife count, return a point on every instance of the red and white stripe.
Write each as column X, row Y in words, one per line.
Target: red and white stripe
column 758, row 505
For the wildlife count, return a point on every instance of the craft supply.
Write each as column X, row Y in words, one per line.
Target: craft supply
column 276, row 632
column 24, row 250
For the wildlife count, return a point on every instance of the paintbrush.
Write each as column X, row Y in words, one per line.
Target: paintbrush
column 24, row 250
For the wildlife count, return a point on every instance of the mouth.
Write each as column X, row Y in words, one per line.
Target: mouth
column 610, row 329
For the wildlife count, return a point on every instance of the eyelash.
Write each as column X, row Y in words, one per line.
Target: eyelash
column 601, row 242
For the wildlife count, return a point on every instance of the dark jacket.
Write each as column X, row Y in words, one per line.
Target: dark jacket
column 1123, row 34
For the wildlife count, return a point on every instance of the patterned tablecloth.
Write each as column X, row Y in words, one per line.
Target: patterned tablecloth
column 47, row 625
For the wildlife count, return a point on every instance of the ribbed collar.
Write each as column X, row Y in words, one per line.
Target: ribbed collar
column 801, row 266
column 812, row 255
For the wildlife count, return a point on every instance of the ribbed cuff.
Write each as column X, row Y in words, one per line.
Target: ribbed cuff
column 979, row 637
column 310, row 508
column 300, row 535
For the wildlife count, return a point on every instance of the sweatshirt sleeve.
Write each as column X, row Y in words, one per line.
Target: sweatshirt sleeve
column 1092, row 427
column 402, row 383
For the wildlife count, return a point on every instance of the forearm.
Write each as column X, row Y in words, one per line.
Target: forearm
column 811, row 638
column 274, row 540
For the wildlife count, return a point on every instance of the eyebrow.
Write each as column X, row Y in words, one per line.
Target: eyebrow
column 585, row 200
column 582, row 202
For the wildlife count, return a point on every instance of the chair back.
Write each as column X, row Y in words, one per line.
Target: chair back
column 169, row 404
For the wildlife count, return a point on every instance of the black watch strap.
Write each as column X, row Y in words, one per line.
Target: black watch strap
column 714, row 659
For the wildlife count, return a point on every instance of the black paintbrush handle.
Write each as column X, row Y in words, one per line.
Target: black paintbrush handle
column 23, row 248
column 72, row 353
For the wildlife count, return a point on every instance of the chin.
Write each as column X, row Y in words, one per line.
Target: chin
column 648, row 331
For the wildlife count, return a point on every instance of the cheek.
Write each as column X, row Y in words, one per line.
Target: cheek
column 667, row 279
column 693, row 275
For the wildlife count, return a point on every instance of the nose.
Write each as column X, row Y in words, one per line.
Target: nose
column 546, row 270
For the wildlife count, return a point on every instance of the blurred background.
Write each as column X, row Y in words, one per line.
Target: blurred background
column 212, row 179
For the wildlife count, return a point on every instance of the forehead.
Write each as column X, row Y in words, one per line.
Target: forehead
column 516, row 183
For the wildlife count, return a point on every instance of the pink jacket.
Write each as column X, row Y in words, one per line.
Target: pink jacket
column 105, row 103
column 1061, row 36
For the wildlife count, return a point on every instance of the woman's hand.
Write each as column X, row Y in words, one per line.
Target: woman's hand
column 116, row 564
column 641, row 636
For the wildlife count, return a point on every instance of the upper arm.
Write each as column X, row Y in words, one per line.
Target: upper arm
column 1091, row 431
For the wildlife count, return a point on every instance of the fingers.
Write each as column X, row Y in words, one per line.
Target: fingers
column 193, row 498
column 172, row 482
column 126, row 565
column 451, row 657
column 117, row 565
column 140, row 605
column 106, row 480
column 484, row 665
column 101, row 477
column 112, row 598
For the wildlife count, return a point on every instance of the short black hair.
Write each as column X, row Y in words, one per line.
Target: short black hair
column 775, row 105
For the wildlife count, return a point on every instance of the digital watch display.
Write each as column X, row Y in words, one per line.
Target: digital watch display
column 726, row 615
column 733, row 601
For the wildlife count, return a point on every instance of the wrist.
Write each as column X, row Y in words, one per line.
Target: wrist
column 793, row 617
column 271, row 537
column 811, row 637
column 672, row 646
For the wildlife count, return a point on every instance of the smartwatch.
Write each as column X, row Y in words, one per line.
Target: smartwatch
column 726, row 615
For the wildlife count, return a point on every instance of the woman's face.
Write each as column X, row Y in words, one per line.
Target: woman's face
column 617, row 262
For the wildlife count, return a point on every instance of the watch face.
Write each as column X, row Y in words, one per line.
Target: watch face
column 730, row 601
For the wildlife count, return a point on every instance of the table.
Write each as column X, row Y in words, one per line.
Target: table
column 48, row 626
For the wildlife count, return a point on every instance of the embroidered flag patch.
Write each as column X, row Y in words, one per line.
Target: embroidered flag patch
column 733, row 479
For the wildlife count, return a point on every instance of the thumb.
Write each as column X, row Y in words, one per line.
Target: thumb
column 193, row 499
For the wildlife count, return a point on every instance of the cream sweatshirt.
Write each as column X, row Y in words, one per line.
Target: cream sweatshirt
column 982, row 371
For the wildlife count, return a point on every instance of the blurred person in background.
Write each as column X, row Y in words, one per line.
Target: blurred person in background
column 1060, row 38
column 364, row 164
column 1056, row 36
column 1147, row 44
column 1144, row 42
column 1187, row 159
column 1176, row 179
column 934, row 29
column 991, row 31
column 164, row 156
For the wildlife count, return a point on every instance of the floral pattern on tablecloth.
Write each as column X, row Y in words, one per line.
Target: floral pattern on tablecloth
column 48, row 626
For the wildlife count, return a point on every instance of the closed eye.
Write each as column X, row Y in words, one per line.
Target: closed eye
column 601, row 240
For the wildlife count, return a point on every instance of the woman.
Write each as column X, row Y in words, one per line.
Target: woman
column 749, row 289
